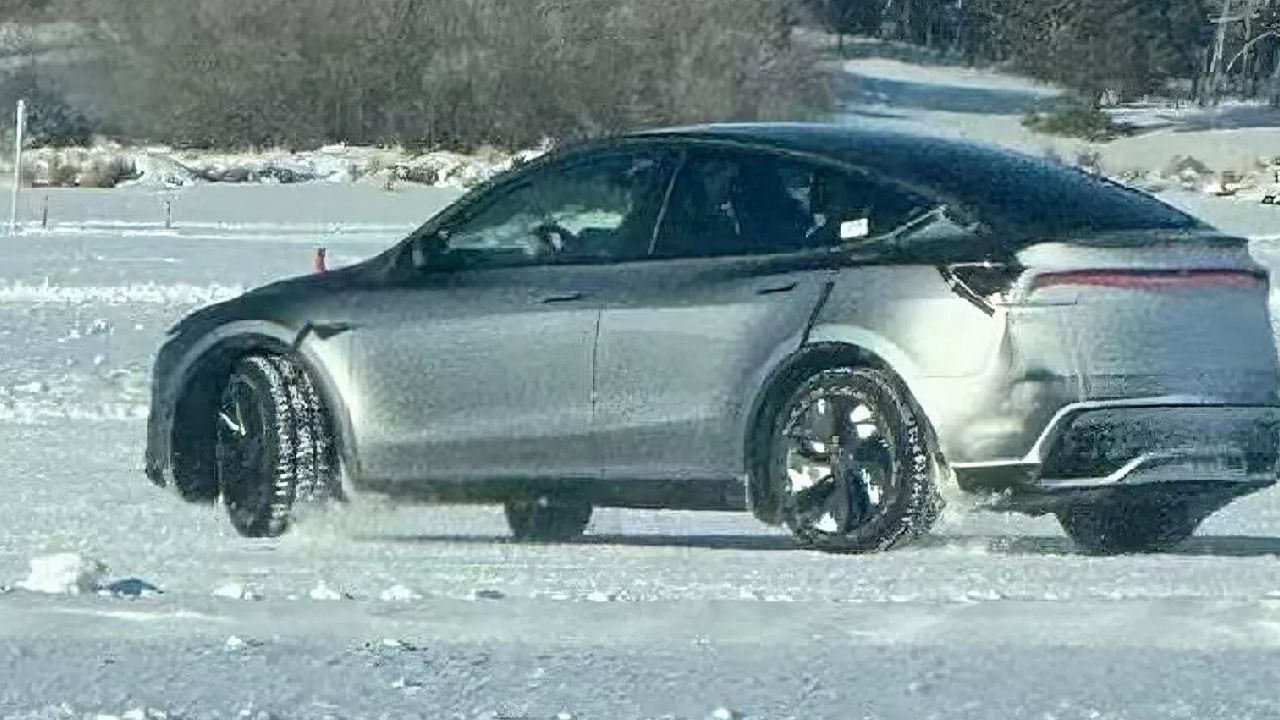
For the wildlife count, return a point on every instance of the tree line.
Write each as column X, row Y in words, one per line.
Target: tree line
column 1192, row 49
column 435, row 73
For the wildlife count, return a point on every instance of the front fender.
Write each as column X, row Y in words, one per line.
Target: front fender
column 323, row 358
column 237, row 336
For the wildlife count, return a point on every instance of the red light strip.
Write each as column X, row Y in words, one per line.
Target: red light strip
column 1146, row 279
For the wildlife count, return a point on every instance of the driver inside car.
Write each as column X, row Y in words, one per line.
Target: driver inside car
column 613, row 225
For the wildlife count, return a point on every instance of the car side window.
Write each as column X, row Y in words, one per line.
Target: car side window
column 849, row 205
column 597, row 208
column 744, row 203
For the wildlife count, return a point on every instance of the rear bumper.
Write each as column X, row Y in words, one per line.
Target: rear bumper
column 1130, row 444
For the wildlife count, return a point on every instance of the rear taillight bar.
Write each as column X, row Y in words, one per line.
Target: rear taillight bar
column 1149, row 279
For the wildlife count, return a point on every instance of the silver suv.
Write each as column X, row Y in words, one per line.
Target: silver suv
column 817, row 324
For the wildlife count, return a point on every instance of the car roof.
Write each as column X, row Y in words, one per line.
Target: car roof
column 798, row 136
column 1029, row 195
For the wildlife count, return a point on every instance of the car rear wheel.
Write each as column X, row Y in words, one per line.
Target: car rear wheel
column 547, row 520
column 1130, row 526
column 274, row 444
column 852, row 464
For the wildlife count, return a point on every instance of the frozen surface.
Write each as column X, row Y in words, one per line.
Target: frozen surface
column 379, row 612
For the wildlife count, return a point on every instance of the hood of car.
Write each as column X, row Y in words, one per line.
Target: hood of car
column 281, row 298
column 323, row 283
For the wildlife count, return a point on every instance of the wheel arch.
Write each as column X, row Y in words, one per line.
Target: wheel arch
column 822, row 350
column 201, row 376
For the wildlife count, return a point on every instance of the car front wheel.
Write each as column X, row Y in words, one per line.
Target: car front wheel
column 273, row 444
column 852, row 463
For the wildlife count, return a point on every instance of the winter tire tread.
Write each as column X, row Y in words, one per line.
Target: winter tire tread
column 300, row 445
column 916, row 506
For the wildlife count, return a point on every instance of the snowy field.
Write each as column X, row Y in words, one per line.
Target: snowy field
column 404, row 613
column 654, row 614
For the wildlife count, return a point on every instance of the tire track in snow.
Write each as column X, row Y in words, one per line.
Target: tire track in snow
column 27, row 412
column 134, row 293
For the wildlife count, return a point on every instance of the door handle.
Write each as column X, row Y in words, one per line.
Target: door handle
column 776, row 289
column 563, row 297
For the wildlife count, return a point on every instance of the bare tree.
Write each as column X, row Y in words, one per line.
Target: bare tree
column 444, row 72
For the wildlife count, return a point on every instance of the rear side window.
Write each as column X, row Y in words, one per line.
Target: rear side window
column 741, row 203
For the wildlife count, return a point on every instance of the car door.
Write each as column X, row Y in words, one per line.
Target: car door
column 480, row 366
column 733, row 281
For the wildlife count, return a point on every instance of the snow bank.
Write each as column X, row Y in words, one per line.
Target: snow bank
column 75, row 574
column 235, row 643
column 64, row 574
column 1190, row 173
column 399, row 593
column 239, row 591
column 113, row 165
column 96, row 167
column 323, row 592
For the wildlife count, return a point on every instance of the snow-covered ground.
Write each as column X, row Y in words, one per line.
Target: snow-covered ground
column 432, row 613
column 654, row 614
